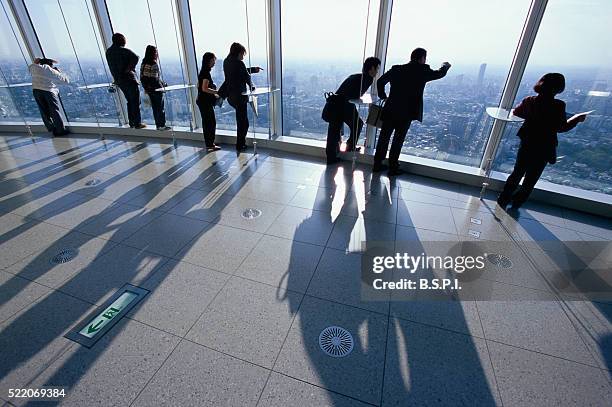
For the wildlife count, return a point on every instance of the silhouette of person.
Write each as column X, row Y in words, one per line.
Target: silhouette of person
column 237, row 78
column 45, row 78
column 544, row 117
column 151, row 80
column 404, row 104
column 207, row 98
column 122, row 64
column 352, row 87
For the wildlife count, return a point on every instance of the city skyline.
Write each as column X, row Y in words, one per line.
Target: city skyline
column 455, row 126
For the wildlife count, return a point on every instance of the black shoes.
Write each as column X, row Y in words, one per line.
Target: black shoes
column 332, row 161
column 241, row 148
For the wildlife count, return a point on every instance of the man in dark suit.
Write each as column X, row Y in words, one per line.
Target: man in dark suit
column 404, row 104
column 353, row 87
column 122, row 64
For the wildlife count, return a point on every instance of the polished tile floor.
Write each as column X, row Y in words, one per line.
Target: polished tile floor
column 236, row 305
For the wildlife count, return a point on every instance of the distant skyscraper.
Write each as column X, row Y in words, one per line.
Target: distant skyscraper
column 481, row 75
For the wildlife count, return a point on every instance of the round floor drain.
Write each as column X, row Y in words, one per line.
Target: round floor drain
column 251, row 213
column 64, row 256
column 93, row 182
column 336, row 342
column 499, row 260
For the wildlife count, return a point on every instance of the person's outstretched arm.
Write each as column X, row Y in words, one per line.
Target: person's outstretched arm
column 567, row 125
column 432, row 75
column 59, row 75
column 381, row 82
column 244, row 73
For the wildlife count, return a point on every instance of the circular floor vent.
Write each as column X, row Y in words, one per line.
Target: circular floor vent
column 93, row 182
column 251, row 213
column 64, row 256
column 336, row 342
column 499, row 260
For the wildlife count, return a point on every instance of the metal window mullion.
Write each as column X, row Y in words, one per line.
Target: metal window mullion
column 26, row 29
column 190, row 56
column 106, row 32
column 517, row 69
column 273, row 10
column 380, row 51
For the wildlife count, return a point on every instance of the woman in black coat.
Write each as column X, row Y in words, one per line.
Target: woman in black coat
column 237, row 79
column 207, row 98
column 544, row 117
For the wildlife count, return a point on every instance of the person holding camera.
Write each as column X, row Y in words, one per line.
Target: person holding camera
column 45, row 78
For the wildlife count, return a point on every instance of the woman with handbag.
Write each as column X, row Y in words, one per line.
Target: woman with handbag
column 338, row 110
column 207, row 98
column 544, row 117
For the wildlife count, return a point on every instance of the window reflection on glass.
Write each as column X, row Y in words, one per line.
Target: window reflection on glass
column 131, row 18
column 321, row 49
column 16, row 103
column 227, row 23
column 479, row 39
column 573, row 39
column 57, row 39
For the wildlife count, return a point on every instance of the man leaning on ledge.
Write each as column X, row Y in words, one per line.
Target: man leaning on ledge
column 45, row 77
column 122, row 64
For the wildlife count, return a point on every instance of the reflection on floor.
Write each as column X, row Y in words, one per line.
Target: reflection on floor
column 236, row 305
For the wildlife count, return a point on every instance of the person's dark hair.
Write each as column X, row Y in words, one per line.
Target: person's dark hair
column 119, row 39
column 47, row 61
column 550, row 84
column 206, row 58
column 417, row 54
column 237, row 50
column 150, row 55
column 370, row 63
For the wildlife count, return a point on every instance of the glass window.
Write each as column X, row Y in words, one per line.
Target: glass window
column 574, row 39
column 160, row 28
column 82, row 63
column 479, row 39
column 216, row 34
column 320, row 49
column 16, row 102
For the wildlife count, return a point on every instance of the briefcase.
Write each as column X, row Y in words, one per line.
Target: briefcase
column 375, row 113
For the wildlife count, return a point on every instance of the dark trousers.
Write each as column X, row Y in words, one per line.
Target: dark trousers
column 353, row 121
column 400, row 127
column 239, row 103
column 49, row 106
column 132, row 95
column 157, row 104
column 528, row 164
column 209, row 122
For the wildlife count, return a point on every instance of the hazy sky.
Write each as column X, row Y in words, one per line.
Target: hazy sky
column 573, row 32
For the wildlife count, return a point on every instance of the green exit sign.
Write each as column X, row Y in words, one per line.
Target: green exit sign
column 95, row 325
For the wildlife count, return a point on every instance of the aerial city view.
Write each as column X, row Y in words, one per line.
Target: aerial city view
column 455, row 126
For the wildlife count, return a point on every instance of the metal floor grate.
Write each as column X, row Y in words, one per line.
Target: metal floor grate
column 336, row 342
column 499, row 260
column 64, row 256
column 251, row 213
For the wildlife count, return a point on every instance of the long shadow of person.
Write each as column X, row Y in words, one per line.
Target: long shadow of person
column 93, row 284
column 578, row 273
column 395, row 360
